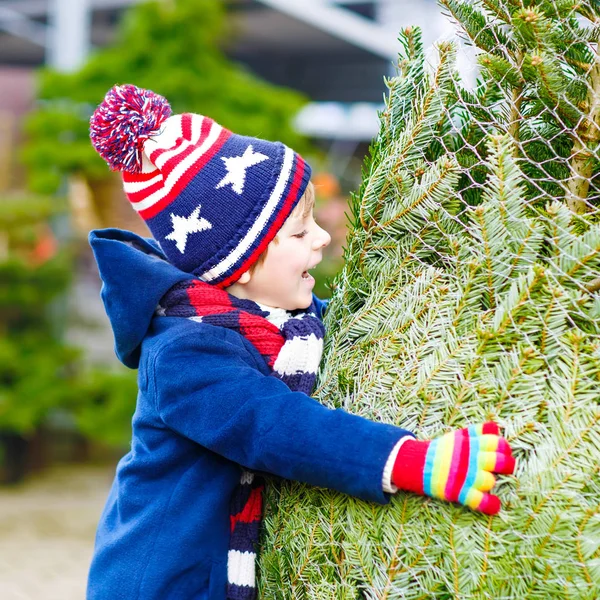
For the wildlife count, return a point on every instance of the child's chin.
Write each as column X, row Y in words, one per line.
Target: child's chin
column 298, row 305
column 305, row 304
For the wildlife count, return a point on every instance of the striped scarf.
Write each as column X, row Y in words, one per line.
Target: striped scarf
column 291, row 344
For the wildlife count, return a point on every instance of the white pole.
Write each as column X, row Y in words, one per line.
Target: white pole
column 69, row 34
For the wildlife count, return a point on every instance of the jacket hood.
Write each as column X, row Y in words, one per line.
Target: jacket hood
column 135, row 275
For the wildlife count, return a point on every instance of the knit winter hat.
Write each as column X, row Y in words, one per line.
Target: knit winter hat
column 211, row 198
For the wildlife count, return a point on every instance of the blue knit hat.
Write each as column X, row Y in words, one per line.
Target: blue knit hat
column 212, row 199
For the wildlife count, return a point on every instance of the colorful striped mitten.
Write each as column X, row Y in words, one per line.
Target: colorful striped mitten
column 456, row 467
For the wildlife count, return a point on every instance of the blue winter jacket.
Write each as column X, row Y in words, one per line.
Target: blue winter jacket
column 206, row 404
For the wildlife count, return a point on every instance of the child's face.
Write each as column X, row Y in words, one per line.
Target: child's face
column 282, row 280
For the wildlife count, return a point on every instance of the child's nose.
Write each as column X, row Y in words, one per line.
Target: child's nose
column 322, row 239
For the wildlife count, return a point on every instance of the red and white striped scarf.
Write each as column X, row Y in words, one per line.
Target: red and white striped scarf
column 292, row 345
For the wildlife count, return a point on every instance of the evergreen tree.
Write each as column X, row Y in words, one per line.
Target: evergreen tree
column 469, row 294
column 35, row 364
column 40, row 372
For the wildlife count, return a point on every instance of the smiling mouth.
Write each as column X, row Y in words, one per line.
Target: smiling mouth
column 306, row 274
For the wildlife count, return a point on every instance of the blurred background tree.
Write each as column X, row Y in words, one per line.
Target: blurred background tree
column 36, row 367
column 42, row 375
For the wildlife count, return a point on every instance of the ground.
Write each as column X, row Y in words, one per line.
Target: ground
column 47, row 527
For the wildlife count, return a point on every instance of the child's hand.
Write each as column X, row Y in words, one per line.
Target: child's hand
column 456, row 467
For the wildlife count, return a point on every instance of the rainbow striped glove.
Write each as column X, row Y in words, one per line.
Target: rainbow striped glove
column 456, row 467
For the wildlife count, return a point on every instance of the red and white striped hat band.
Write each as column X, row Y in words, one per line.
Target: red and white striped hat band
column 211, row 198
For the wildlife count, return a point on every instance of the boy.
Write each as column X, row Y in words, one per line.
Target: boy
column 221, row 322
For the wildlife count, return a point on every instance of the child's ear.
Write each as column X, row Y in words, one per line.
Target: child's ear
column 245, row 278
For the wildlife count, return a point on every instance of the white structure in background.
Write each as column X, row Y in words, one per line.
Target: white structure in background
column 20, row 25
column 360, row 121
column 351, row 121
column 68, row 39
column 435, row 27
column 342, row 23
column 337, row 120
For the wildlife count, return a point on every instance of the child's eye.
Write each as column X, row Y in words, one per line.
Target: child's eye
column 302, row 234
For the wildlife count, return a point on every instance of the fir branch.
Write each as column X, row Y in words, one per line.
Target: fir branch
column 454, row 561
column 486, row 550
column 480, row 30
column 298, row 575
column 521, row 290
column 537, row 509
column 533, row 29
column 406, row 88
column 473, row 272
column 515, row 374
column 581, row 252
column 515, row 105
column 441, row 178
column 393, row 565
column 495, row 7
column 589, row 9
column 501, row 70
column 595, row 419
column 587, row 134
column 488, row 262
column 439, row 366
column 546, row 325
column 574, row 376
column 412, row 144
column 531, row 242
column 591, row 512
column 580, row 64
column 407, row 568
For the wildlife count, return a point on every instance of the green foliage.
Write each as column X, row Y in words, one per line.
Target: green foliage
column 39, row 373
column 539, row 59
column 35, row 377
column 36, row 368
column 103, row 404
column 172, row 48
column 19, row 214
column 464, row 299
column 26, row 290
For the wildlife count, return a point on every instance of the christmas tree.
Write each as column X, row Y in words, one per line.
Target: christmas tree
column 470, row 293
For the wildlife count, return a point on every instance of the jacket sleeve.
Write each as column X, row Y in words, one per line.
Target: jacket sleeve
column 211, row 394
column 321, row 306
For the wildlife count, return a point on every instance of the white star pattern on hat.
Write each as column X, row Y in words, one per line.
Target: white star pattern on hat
column 184, row 226
column 236, row 169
